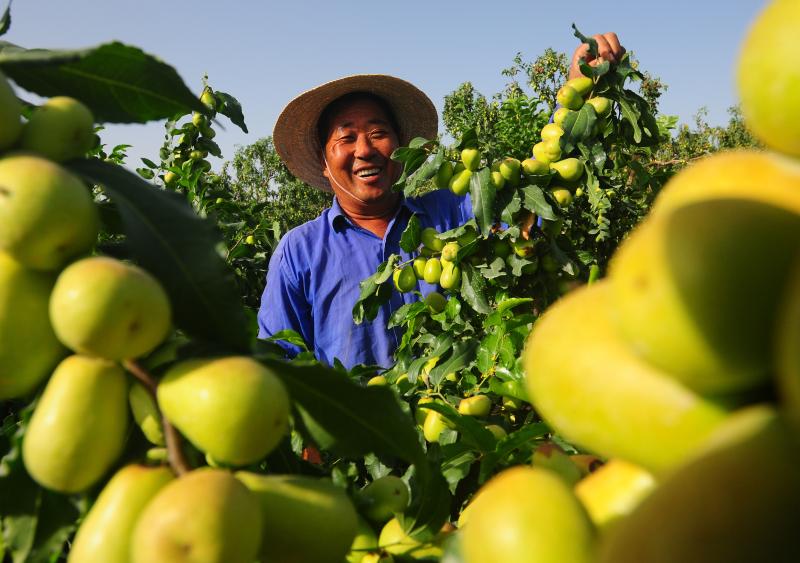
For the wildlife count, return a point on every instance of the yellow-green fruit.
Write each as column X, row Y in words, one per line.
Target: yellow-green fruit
column 551, row 457
column 205, row 516
column 471, row 159
column 533, row 167
column 450, row 251
column 569, row 98
column 170, row 178
column 433, row 270
column 47, row 215
column 250, row 239
column 524, row 248
column 208, row 99
column 602, row 106
column 29, row 348
column 582, row 85
column 395, row 541
column 421, row 414
column 305, row 519
column 769, row 85
column 606, row 399
column 498, row 182
column 497, row 431
column 379, row 557
column 10, row 112
column 105, row 534
column 434, row 425
column 459, row 183
column 563, row 195
column 405, row 279
column 560, row 115
column 384, row 497
column 419, row 267
column 568, row 170
column 436, row 301
column 78, row 428
column 365, row 541
column 547, row 151
column 692, row 517
column 198, row 119
column 613, row 491
column 60, row 129
column 787, row 350
column 501, row 248
column 379, row 380
column 451, row 276
column 527, row 515
column 692, row 294
column 145, row 413
column 108, row 308
column 444, row 174
column 510, row 170
column 477, row 405
column 217, row 403
column 551, row 131
column 430, row 241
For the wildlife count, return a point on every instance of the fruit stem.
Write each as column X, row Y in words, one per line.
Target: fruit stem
column 175, row 455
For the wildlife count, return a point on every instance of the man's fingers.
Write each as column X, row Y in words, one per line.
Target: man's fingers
column 616, row 48
column 604, row 49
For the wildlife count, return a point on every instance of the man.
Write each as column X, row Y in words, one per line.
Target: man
column 339, row 137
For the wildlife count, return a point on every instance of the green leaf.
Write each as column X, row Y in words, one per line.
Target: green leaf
column 482, row 194
column 289, row 336
column 15, row 54
column 231, row 108
column 353, row 421
column 468, row 140
column 508, row 304
column 458, row 460
column 473, row 286
column 374, row 291
column 119, row 83
column 167, row 238
column 631, row 114
column 487, row 351
column 535, row 201
column 425, row 172
column 5, row 24
column 519, row 439
column 411, row 237
column 578, row 127
column 591, row 42
column 462, row 356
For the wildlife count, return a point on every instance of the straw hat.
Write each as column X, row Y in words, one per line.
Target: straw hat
column 295, row 134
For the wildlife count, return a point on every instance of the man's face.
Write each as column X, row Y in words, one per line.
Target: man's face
column 360, row 141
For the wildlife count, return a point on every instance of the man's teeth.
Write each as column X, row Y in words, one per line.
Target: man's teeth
column 367, row 172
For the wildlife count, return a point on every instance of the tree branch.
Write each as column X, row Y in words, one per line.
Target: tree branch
column 175, row 455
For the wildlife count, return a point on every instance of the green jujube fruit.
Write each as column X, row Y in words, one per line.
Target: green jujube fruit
column 731, row 217
column 105, row 533
column 525, row 515
column 384, row 497
column 29, row 349
column 738, row 501
column 606, row 399
column 233, row 408
column 451, row 276
column 47, row 216
column 433, row 270
column 444, row 174
column 78, row 428
column 146, row 414
column 206, row 516
column 60, row 129
column 305, row 519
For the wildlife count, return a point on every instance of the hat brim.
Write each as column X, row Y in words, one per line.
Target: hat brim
column 295, row 135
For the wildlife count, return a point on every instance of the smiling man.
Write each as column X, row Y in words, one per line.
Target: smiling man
column 339, row 137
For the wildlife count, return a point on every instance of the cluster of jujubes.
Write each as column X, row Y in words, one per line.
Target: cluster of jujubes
column 682, row 368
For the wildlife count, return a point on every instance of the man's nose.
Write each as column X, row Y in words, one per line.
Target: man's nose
column 364, row 147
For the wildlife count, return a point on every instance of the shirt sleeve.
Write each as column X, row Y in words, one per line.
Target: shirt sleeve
column 283, row 304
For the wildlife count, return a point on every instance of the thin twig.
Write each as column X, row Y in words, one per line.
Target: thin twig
column 175, row 455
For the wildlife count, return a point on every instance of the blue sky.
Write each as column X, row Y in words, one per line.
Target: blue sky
column 264, row 53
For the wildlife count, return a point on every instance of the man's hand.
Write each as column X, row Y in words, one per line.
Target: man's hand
column 608, row 49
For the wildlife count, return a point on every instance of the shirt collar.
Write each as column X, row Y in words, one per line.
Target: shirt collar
column 337, row 219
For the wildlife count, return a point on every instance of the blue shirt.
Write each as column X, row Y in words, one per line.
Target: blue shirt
column 314, row 274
